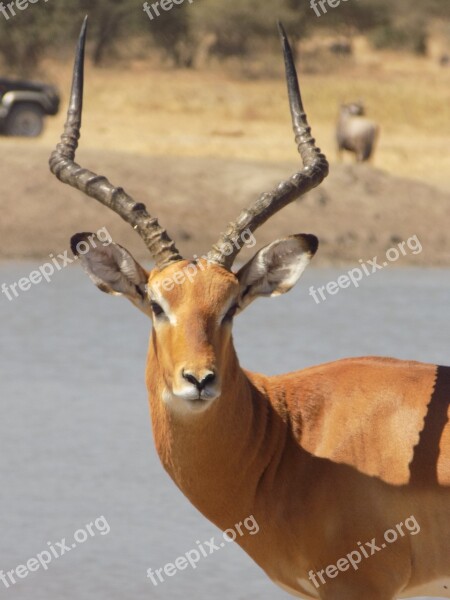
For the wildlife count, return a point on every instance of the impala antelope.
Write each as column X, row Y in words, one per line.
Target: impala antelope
column 325, row 458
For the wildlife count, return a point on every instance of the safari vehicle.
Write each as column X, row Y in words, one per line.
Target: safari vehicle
column 23, row 105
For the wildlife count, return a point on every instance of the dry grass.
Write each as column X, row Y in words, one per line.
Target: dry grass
column 212, row 114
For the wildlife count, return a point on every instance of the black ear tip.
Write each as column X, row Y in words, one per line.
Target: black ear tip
column 76, row 239
column 312, row 242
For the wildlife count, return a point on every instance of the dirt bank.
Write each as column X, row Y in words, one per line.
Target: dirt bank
column 359, row 212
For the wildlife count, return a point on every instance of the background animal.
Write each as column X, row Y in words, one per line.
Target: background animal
column 355, row 132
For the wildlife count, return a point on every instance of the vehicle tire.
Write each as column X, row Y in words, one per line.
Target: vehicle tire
column 25, row 120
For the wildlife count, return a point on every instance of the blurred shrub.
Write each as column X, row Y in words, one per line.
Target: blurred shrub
column 412, row 37
column 110, row 21
column 172, row 32
column 240, row 26
column 26, row 37
column 190, row 34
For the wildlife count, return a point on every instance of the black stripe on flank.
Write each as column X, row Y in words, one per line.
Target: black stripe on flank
column 423, row 467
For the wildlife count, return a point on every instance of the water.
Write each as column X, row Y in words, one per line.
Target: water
column 75, row 440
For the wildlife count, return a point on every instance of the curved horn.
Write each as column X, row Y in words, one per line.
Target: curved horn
column 66, row 170
column 315, row 169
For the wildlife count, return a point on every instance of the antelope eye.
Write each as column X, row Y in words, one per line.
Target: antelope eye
column 157, row 310
column 231, row 312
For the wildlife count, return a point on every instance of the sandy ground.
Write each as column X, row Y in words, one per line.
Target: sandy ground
column 358, row 212
column 162, row 112
column 196, row 147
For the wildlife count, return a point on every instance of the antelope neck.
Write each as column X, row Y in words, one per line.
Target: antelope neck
column 219, row 457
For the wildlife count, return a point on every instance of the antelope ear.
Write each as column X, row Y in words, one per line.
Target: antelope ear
column 276, row 268
column 112, row 269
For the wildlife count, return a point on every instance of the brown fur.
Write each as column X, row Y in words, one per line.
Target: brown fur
column 323, row 458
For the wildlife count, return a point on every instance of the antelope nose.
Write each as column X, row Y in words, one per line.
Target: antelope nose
column 200, row 384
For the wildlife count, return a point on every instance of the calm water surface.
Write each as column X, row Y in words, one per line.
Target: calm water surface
column 75, row 439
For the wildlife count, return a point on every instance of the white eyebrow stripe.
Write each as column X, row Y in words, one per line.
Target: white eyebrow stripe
column 155, row 295
column 229, row 304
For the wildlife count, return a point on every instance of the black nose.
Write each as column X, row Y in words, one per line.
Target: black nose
column 199, row 384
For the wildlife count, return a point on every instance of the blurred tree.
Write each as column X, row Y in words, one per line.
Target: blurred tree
column 237, row 25
column 422, row 10
column 173, row 33
column 410, row 36
column 110, row 21
column 404, row 27
column 189, row 33
column 25, row 37
column 356, row 16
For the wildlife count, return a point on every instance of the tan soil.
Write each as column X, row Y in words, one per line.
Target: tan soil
column 358, row 212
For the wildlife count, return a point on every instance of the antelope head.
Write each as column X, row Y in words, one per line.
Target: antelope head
column 353, row 109
column 192, row 302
